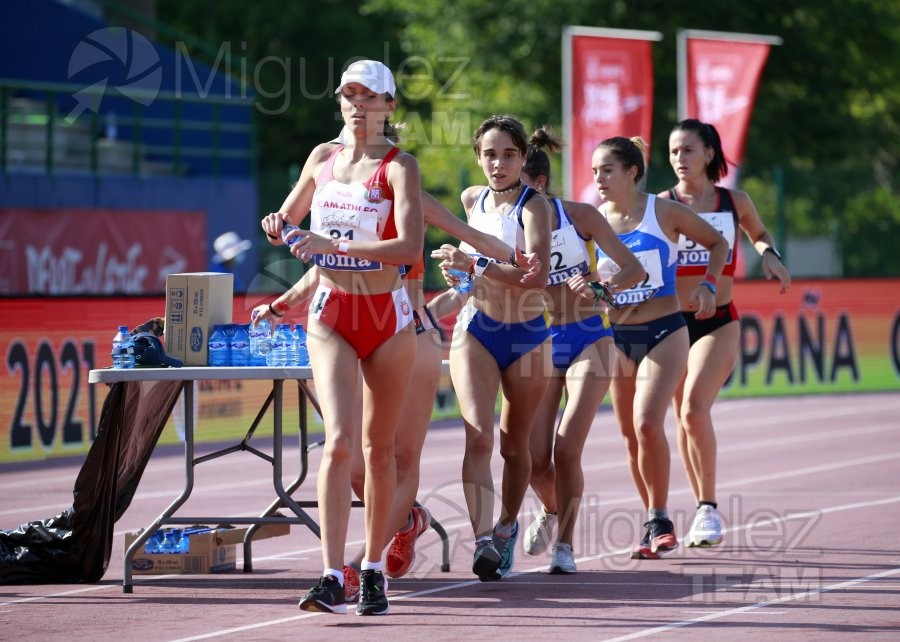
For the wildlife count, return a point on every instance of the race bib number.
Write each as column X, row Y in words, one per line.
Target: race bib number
column 643, row 291
column 568, row 256
column 692, row 253
column 348, row 222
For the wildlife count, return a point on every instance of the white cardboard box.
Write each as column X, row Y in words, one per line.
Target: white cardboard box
column 195, row 303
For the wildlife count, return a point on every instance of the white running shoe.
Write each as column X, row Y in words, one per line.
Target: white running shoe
column 707, row 529
column 563, row 562
column 540, row 533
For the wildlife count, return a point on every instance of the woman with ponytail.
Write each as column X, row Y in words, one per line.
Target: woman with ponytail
column 582, row 351
column 648, row 327
column 695, row 153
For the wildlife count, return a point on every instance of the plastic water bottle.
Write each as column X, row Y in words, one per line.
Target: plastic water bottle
column 184, row 545
column 171, row 542
column 285, row 231
column 282, row 341
column 219, row 348
column 260, row 343
column 122, row 349
column 154, row 544
column 464, row 286
column 301, row 354
column 240, row 345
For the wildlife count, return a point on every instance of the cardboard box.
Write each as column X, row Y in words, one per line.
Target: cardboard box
column 195, row 303
column 212, row 552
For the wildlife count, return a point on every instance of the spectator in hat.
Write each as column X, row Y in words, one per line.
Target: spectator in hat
column 230, row 250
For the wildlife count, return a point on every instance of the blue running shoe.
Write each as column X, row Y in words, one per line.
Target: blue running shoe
column 487, row 561
column 507, row 548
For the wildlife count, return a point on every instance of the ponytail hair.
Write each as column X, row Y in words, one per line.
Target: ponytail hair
column 629, row 151
column 717, row 169
column 537, row 162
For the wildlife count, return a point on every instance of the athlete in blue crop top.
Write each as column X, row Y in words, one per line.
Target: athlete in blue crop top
column 649, row 329
column 500, row 339
column 582, row 349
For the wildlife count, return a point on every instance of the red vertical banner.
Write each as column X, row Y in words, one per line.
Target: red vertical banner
column 607, row 91
column 719, row 74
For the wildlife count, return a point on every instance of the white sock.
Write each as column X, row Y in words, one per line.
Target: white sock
column 372, row 566
column 338, row 575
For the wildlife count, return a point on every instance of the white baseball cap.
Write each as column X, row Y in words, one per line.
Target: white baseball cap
column 372, row 75
column 228, row 246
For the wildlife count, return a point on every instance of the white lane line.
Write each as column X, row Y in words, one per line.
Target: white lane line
column 460, row 585
column 88, row 589
column 752, row 607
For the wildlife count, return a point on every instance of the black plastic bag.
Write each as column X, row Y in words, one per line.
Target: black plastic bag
column 75, row 545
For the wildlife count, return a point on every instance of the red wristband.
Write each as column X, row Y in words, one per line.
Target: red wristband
column 280, row 306
column 709, row 277
column 472, row 268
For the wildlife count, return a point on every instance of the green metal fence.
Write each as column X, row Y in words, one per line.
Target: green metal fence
column 35, row 137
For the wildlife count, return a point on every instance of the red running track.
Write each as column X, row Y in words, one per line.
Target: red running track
column 808, row 485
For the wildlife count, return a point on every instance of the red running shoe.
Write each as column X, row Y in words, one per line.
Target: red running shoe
column 662, row 536
column 402, row 551
column 351, row 585
column 642, row 551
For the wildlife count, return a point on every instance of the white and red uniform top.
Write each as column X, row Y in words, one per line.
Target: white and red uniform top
column 693, row 258
column 354, row 211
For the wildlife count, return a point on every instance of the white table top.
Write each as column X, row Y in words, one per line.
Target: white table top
column 112, row 375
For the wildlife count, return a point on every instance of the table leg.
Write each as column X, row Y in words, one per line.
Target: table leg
column 138, row 544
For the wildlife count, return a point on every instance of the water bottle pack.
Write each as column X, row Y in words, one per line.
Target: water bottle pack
column 173, row 540
column 122, row 352
column 282, row 348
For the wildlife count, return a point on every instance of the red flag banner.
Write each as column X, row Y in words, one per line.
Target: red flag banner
column 607, row 91
column 719, row 74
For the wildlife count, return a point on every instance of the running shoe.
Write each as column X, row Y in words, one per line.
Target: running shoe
column 662, row 536
column 540, row 533
column 487, row 561
column 707, row 529
column 351, row 584
column 642, row 551
column 507, row 548
column 563, row 562
column 325, row 597
column 372, row 598
column 402, row 550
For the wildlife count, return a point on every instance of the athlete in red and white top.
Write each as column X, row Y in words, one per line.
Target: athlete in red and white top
column 695, row 152
column 367, row 220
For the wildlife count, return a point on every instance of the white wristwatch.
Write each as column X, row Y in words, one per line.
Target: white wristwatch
column 481, row 265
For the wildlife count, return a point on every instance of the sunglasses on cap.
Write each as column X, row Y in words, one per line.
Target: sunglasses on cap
column 148, row 351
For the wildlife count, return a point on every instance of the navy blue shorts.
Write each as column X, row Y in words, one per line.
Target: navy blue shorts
column 636, row 341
